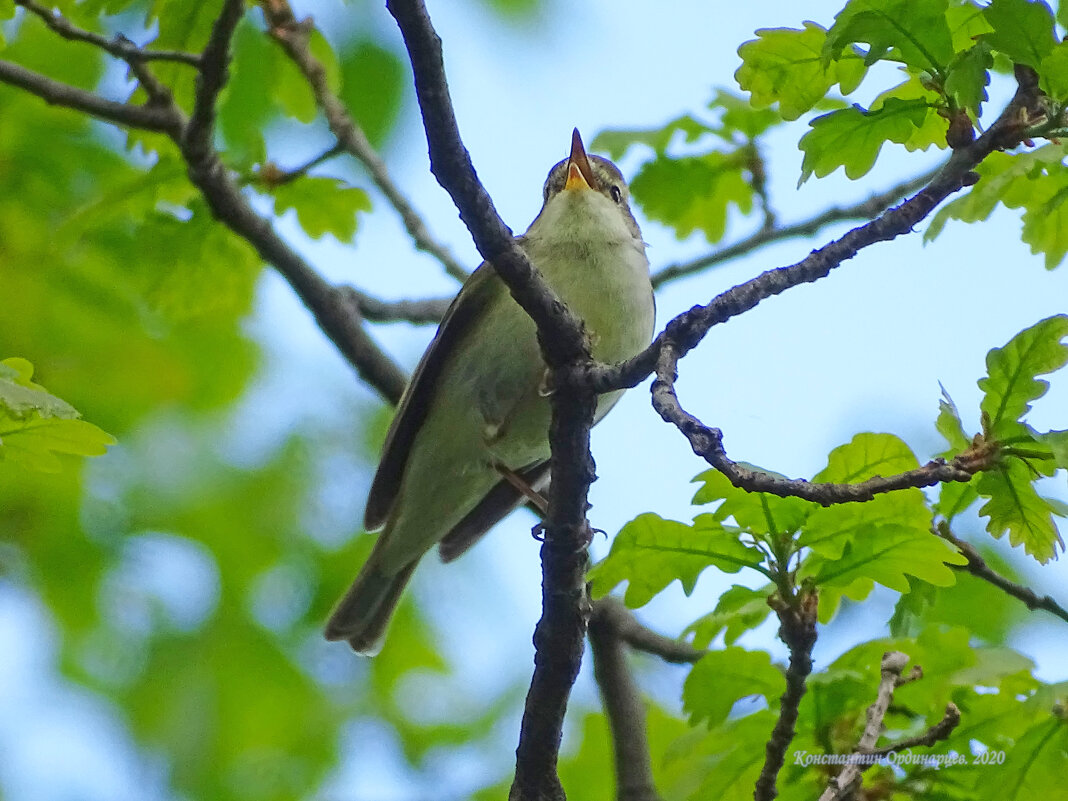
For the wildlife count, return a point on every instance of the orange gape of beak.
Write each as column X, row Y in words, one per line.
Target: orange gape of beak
column 579, row 171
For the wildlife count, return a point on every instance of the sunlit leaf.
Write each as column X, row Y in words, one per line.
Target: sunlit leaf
column 912, row 31
column 1012, row 383
column 852, row 137
column 649, row 553
column 694, row 193
column 739, row 609
column 786, row 66
column 1014, row 506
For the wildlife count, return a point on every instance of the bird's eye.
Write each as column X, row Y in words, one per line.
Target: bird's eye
column 616, row 192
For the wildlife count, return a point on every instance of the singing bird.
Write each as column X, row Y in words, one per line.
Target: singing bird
column 471, row 432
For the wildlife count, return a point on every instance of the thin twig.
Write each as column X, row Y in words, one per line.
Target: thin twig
column 797, row 628
column 641, row 638
column 271, row 176
column 293, row 36
column 623, row 703
column 843, row 787
column 864, row 210
column 936, row 733
column 120, row 46
column 148, row 117
column 979, row 568
column 418, row 312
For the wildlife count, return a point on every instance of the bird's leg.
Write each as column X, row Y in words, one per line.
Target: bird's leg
column 524, row 488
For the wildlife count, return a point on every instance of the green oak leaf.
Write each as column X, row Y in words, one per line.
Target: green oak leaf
column 739, row 115
column 323, row 205
column 759, row 513
column 1037, row 764
column 739, row 609
column 884, row 554
column 721, row 678
column 1012, row 180
column 35, row 425
column 617, row 142
column 649, row 553
column 1011, row 382
column 373, row 87
column 852, row 137
column 1022, row 29
column 966, row 23
column 949, row 425
column 1014, row 506
column 1053, row 72
column 786, row 66
column 694, row 193
column 829, row 530
column 1057, row 442
column 914, row 32
column 967, row 78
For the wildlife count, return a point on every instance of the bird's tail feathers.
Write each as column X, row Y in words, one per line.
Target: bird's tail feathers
column 363, row 615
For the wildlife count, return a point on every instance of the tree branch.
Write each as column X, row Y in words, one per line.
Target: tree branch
column 797, row 628
column 559, row 635
column 707, row 443
column 622, row 701
column 864, row 210
column 629, row 630
column 148, row 117
column 978, row 567
column 120, row 46
column 376, row 310
column 687, row 330
column 293, row 36
column 940, row 731
column 843, row 787
column 212, row 77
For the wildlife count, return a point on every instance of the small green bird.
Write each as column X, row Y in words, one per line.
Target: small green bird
column 471, row 432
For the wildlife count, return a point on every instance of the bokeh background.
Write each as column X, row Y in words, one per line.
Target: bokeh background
column 160, row 606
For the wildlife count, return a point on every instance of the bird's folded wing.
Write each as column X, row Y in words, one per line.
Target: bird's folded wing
column 420, row 392
column 499, row 502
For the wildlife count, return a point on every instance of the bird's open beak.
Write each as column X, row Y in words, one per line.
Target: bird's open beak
column 579, row 171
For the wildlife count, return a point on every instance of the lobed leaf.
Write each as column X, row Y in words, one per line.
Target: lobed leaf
column 886, row 554
column 721, row 678
column 739, row 609
column 914, row 32
column 852, row 137
column 787, row 66
column 617, row 142
column 649, row 553
column 758, row 513
column 1011, row 383
column 323, row 205
column 1015, row 507
column 36, row 425
column 1022, row 29
column 694, row 193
